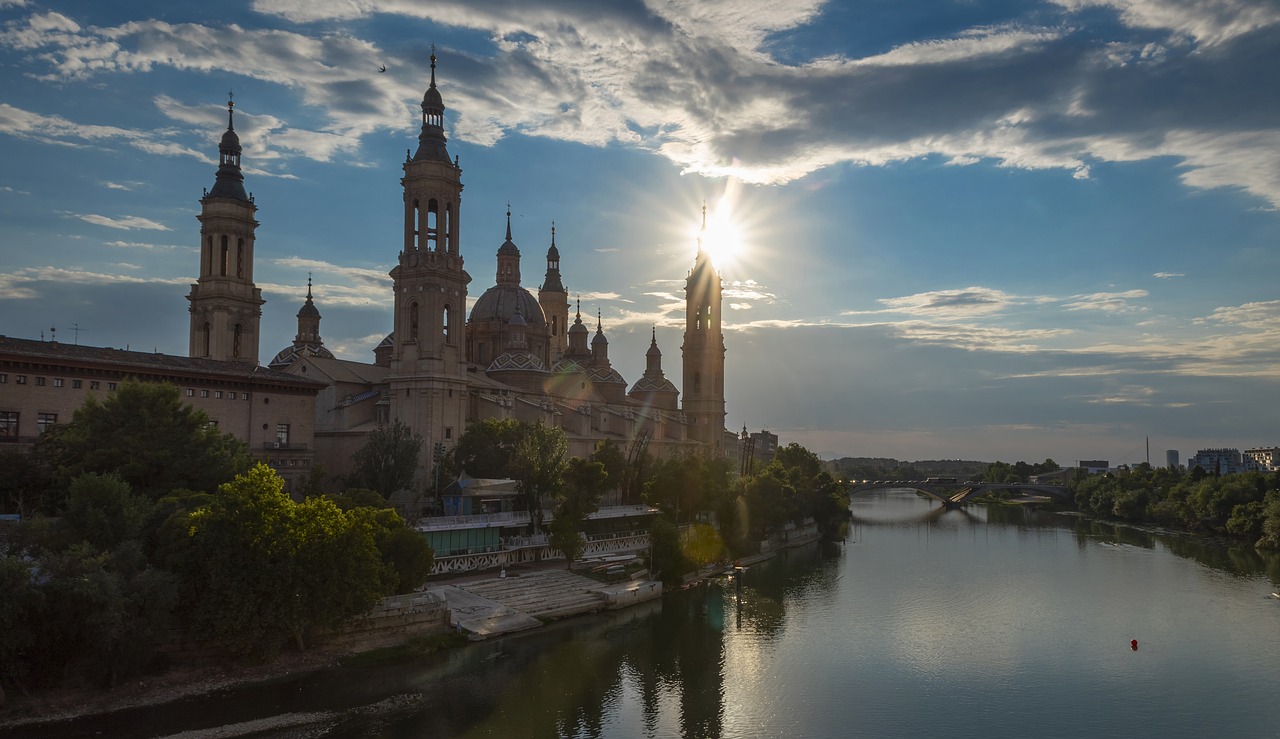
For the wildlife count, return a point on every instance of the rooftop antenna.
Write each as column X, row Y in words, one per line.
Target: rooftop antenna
column 53, row 333
column 76, row 328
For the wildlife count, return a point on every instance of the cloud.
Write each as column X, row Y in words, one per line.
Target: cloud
column 127, row 223
column 1168, row 275
column 152, row 247
column 703, row 85
column 1109, row 302
column 1209, row 22
column 952, row 303
column 22, row 283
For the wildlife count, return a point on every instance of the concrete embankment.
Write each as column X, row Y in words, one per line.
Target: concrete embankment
column 491, row 606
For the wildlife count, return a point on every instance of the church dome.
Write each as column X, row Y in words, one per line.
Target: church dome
column 500, row 303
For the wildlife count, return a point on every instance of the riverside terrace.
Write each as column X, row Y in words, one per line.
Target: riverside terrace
column 483, row 541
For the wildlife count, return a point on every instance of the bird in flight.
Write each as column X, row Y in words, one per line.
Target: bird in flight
column 382, row 68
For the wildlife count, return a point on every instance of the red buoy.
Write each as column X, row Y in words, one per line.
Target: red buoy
column 1133, row 644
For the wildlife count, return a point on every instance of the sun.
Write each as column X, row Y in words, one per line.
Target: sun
column 722, row 239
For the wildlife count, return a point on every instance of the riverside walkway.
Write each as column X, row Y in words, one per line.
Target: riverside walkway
column 490, row 606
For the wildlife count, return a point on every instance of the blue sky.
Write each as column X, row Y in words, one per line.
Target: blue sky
column 971, row 229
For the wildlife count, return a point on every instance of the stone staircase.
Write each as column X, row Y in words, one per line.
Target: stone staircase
column 546, row 594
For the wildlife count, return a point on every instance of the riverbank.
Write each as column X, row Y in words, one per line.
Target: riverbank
column 542, row 601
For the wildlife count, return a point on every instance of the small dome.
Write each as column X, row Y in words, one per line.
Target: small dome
column 508, row 247
column 519, row 360
column 599, row 339
column 230, row 141
column 387, row 343
column 308, row 309
column 432, row 100
column 291, row 354
column 653, row 385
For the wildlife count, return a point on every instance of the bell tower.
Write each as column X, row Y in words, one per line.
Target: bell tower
column 554, row 300
column 226, row 307
column 703, row 352
column 428, row 374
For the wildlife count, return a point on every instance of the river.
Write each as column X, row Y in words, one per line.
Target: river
column 980, row 622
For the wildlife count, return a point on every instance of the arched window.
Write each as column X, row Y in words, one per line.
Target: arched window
column 225, row 256
column 209, row 241
column 554, row 323
column 697, row 382
column 240, row 258
column 204, row 336
column 445, row 322
column 235, row 342
column 415, row 219
column 449, row 242
column 413, row 322
column 433, row 225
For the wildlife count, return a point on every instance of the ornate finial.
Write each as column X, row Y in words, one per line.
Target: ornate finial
column 579, row 312
column 308, row 287
column 231, row 107
column 553, row 233
column 653, row 339
column 704, row 215
column 599, row 329
column 433, row 65
column 508, row 220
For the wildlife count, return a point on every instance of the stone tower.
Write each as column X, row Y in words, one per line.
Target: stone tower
column 554, row 300
column 428, row 378
column 703, row 352
column 226, row 307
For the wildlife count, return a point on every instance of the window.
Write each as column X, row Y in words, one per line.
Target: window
column 413, row 322
column 448, row 432
column 3, row 378
column 22, row 379
column 57, row 382
column 235, row 342
column 204, row 393
column 8, row 423
column 217, row 394
column 45, row 420
column 223, row 261
column 231, row 396
column 77, row 384
column 446, row 323
column 111, row 386
column 94, row 384
column 39, row 382
column 282, row 434
column 191, row 393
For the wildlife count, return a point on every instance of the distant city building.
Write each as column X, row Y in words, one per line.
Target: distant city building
column 1267, row 458
column 1095, row 466
column 1171, row 459
column 1221, row 462
column 765, row 445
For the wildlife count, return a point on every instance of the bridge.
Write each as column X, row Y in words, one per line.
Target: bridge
column 955, row 494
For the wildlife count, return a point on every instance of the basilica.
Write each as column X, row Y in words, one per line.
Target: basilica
column 519, row 354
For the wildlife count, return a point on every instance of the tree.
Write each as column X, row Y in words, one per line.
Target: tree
column 25, row 484
column 616, row 469
column 104, row 511
column 387, row 461
column 146, row 435
column 539, row 467
column 666, row 558
column 259, row 567
column 488, row 449
column 584, row 483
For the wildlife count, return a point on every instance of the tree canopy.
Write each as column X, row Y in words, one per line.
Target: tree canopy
column 388, row 460
column 146, row 435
